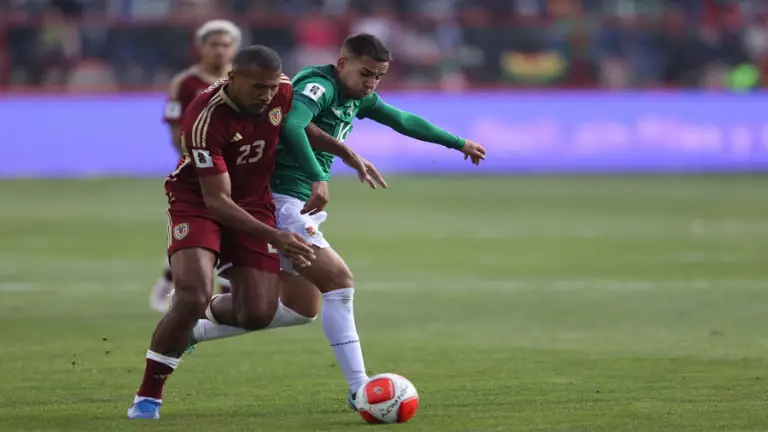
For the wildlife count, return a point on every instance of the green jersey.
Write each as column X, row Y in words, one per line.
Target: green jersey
column 318, row 99
column 316, row 88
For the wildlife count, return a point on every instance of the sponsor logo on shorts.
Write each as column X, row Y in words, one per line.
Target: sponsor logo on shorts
column 275, row 116
column 180, row 231
column 311, row 231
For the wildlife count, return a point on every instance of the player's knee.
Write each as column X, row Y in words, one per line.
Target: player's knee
column 191, row 297
column 338, row 278
column 256, row 316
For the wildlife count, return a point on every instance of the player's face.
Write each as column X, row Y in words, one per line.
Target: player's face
column 361, row 75
column 218, row 49
column 254, row 88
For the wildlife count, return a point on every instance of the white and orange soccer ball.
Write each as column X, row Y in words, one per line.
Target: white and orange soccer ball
column 387, row 398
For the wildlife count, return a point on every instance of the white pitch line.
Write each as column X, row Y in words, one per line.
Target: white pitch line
column 560, row 285
column 15, row 287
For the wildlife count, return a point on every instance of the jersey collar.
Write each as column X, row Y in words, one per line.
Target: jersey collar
column 227, row 100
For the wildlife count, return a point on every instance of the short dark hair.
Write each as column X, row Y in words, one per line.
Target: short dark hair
column 259, row 56
column 366, row 45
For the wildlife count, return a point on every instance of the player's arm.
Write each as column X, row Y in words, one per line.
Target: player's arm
column 293, row 136
column 207, row 138
column 417, row 127
column 366, row 171
column 178, row 99
column 175, row 131
column 320, row 140
column 217, row 193
column 308, row 99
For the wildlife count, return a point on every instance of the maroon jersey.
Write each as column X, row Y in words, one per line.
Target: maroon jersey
column 185, row 87
column 217, row 137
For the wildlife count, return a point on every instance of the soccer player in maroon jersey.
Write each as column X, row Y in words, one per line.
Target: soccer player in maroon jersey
column 217, row 41
column 221, row 209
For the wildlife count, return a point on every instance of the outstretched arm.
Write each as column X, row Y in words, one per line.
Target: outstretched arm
column 411, row 125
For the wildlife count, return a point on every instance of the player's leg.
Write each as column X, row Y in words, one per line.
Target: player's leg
column 158, row 298
column 193, row 276
column 192, row 247
column 299, row 295
column 254, row 274
column 252, row 303
column 299, row 304
column 330, row 274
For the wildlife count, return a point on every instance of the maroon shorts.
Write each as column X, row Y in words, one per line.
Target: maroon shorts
column 191, row 228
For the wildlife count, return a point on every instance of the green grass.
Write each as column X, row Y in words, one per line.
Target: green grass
column 592, row 303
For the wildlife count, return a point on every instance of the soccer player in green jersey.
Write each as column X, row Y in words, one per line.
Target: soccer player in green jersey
column 331, row 97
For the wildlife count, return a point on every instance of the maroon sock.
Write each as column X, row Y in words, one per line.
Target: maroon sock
column 155, row 375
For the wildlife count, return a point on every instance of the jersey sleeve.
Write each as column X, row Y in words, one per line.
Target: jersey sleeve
column 410, row 124
column 314, row 92
column 204, row 137
column 181, row 94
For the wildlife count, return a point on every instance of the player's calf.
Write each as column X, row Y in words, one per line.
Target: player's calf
column 299, row 304
column 330, row 274
column 193, row 271
column 299, row 295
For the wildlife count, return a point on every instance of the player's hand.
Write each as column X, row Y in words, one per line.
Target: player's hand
column 294, row 247
column 366, row 171
column 318, row 199
column 473, row 151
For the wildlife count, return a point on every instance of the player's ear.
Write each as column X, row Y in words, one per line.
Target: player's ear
column 341, row 62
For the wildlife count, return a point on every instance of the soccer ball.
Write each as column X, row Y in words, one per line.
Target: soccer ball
column 387, row 398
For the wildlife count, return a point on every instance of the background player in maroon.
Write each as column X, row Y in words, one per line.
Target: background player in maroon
column 220, row 207
column 217, row 41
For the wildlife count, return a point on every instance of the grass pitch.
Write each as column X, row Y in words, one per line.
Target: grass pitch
column 592, row 303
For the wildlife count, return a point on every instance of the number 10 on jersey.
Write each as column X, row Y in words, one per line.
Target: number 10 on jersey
column 342, row 131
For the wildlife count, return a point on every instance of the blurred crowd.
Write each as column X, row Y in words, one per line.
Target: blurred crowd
column 449, row 44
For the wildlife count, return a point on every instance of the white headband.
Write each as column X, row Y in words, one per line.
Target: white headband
column 216, row 26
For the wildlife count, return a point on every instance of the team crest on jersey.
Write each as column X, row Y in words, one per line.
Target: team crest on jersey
column 180, row 231
column 276, row 116
column 311, row 231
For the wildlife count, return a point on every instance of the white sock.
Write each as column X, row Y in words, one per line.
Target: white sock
column 225, row 283
column 171, row 362
column 287, row 317
column 339, row 327
column 207, row 329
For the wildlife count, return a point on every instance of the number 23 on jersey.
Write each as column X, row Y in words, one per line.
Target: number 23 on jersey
column 251, row 153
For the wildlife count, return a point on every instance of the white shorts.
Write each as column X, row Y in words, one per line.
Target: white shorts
column 290, row 219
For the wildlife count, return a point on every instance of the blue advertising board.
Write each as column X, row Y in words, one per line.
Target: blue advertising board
column 95, row 135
